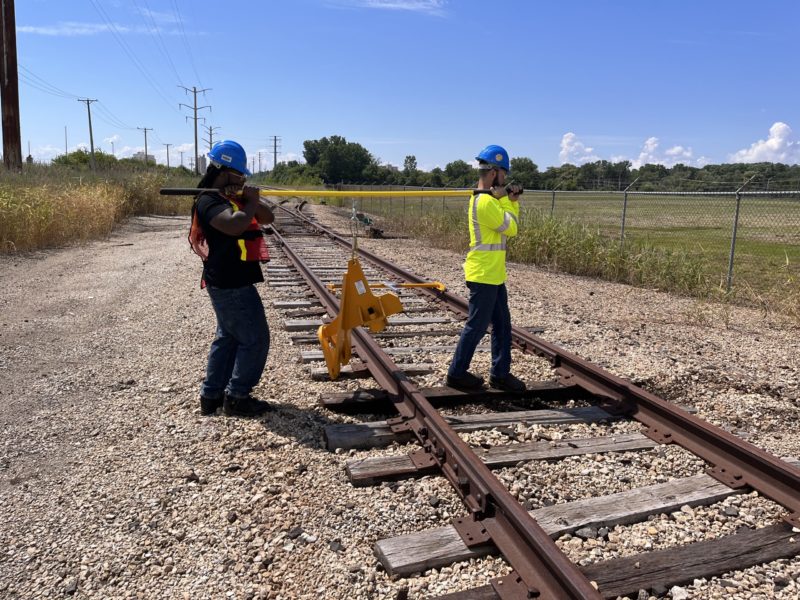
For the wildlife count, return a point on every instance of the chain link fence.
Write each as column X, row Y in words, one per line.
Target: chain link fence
column 747, row 238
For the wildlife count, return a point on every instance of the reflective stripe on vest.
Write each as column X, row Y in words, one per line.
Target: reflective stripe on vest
column 476, row 229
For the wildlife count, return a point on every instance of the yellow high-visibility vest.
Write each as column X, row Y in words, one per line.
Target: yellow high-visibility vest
column 491, row 223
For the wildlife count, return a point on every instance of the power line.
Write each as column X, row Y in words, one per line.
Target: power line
column 158, row 37
column 34, row 80
column 117, row 122
column 121, row 41
column 179, row 18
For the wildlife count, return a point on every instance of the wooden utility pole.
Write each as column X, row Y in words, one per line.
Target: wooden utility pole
column 195, row 108
column 145, row 129
column 168, row 145
column 9, row 88
column 91, row 135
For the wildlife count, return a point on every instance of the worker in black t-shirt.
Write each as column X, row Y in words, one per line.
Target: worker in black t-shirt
column 226, row 234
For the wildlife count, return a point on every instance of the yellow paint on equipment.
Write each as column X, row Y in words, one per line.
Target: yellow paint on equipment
column 358, row 306
column 436, row 285
column 372, row 194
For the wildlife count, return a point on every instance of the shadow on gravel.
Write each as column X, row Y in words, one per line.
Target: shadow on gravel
column 303, row 425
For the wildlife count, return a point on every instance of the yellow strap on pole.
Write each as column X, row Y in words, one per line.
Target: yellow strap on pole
column 372, row 194
column 338, row 193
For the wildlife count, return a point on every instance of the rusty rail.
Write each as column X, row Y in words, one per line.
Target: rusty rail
column 540, row 568
column 734, row 461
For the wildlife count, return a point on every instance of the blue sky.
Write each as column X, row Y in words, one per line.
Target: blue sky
column 644, row 80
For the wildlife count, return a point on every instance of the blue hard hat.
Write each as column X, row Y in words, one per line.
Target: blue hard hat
column 495, row 156
column 228, row 153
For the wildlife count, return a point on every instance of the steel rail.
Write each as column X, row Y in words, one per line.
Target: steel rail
column 735, row 462
column 541, row 570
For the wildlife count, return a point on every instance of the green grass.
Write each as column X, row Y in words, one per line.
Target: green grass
column 674, row 243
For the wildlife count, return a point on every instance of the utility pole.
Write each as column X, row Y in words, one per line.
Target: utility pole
column 259, row 161
column 113, row 153
column 145, row 129
column 91, row 135
column 195, row 108
column 65, row 140
column 181, row 152
column 168, row 145
column 9, row 88
column 210, row 131
column 275, row 141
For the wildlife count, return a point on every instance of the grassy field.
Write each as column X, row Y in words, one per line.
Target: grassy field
column 672, row 242
column 42, row 208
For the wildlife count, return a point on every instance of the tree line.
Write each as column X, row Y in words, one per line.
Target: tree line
column 333, row 160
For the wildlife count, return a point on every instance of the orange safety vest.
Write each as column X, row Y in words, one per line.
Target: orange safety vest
column 251, row 241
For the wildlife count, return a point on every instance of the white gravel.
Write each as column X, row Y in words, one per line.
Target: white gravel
column 113, row 486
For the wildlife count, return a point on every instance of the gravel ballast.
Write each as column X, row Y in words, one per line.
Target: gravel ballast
column 113, row 485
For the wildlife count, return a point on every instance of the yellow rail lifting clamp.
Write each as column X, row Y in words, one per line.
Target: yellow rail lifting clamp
column 358, row 307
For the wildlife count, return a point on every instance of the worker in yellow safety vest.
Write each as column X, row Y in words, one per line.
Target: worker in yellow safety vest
column 493, row 218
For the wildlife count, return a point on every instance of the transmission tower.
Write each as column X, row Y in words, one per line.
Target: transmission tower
column 276, row 139
column 194, row 91
column 210, row 131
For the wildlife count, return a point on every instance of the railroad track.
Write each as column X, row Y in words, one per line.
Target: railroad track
column 307, row 256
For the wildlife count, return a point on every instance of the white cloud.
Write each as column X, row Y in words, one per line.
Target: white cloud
column 75, row 28
column 574, row 151
column 780, row 147
column 429, row 7
column 114, row 138
column 651, row 155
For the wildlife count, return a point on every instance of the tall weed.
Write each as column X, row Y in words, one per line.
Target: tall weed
column 42, row 211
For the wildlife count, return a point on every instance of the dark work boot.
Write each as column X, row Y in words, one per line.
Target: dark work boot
column 244, row 407
column 467, row 381
column 208, row 406
column 509, row 383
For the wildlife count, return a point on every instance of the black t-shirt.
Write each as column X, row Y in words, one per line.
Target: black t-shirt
column 224, row 267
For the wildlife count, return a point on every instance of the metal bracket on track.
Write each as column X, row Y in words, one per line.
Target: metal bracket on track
column 512, row 587
column 660, row 436
column 733, row 479
column 472, row 531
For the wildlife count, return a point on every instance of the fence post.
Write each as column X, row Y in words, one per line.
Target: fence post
column 625, row 210
column 729, row 283
column 553, row 201
column 733, row 241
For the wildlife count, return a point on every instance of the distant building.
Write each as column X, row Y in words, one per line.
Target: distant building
column 201, row 163
column 140, row 156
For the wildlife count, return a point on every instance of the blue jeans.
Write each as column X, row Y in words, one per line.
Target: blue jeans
column 239, row 351
column 488, row 304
